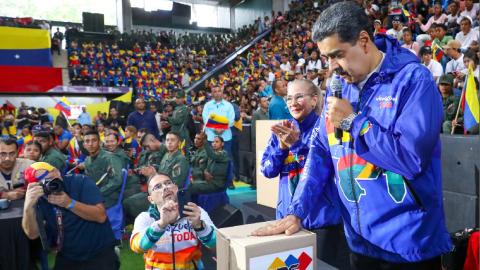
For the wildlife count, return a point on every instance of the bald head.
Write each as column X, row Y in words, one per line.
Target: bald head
column 140, row 105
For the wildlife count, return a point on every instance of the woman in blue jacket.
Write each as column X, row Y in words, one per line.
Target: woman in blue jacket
column 286, row 154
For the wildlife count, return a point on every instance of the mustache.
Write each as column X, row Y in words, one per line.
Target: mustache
column 340, row 71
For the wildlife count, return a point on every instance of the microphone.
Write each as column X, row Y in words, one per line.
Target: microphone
column 336, row 85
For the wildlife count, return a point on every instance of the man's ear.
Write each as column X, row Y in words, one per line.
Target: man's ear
column 364, row 41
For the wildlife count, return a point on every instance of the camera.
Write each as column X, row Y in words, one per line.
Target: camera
column 142, row 178
column 50, row 185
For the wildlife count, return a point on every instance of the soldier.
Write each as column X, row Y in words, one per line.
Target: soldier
column 112, row 144
column 193, row 40
column 151, row 37
column 50, row 154
column 179, row 120
column 173, row 163
column 125, row 35
column 172, row 38
column 186, row 38
column 142, row 37
column 133, row 36
column 215, row 168
column 116, row 34
column 208, row 40
column 201, row 40
column 97, row 167
column 180, row 40
column 199, row 159
column 450, row 103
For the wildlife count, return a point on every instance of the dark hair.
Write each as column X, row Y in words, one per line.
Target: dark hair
column 52, row 134
column 9, row 141
column 37, row 144
column 101, row 123
column 41, row 110
column 441, row 25
column 144, row 130
column 472, row 55
column 153, row 176
column 114, row 128
column 28, row 126
column 76, row 124
column 92, row 132
column 407, row 30
column 227, row 93
column 221, row 139
column 114, row 135
column 174, row 133
column 42, row 134
column 346, row 19
column 88, row 125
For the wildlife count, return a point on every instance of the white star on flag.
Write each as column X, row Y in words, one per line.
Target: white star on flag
column 17, row 56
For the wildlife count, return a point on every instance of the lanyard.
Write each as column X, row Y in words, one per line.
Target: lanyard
column 61, row 231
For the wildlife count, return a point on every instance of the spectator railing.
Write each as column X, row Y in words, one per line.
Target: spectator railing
column 223, row 66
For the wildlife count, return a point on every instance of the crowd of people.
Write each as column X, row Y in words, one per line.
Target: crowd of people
column 285, row 76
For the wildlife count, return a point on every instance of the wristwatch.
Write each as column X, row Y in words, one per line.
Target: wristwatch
column 202, row 227
column 346, row 124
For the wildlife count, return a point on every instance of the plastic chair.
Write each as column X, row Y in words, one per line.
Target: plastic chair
column 115, row 213
column 188, row 178
column 210, row 201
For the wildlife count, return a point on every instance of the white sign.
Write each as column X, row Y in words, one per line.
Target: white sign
column 75, row 111
column 301, row 258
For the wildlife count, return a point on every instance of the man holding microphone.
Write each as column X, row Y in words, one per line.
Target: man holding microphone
column 387, row 165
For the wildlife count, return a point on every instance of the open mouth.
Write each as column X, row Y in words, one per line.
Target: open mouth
column 168, row 195
column 341, row 73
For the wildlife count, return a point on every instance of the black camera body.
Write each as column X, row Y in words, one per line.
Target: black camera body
column 142, row 178
column 52, row 185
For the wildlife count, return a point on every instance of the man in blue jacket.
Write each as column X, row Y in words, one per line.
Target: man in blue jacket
column 387, row 169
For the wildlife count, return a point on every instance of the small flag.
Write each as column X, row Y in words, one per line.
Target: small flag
column 407, row 14
column 216, row 121
column 183, row 148
column 470, row 103
column 437, row 52
column 121, row 133
column 64, row 106
column 103, row 176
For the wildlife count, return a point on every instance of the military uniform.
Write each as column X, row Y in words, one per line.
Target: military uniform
column 97, row 166
column 176, row 166
column 194, row 40
column 135, row 200
column 180, row 40
column 179, row 122
column 198, row 163
column 116, row 35
column 450, row 107
column 186, row 38
column 134, row 36
column 217, row 165
column 125, row 160
column 201, row 40
column 125, row 36
column 55, row 158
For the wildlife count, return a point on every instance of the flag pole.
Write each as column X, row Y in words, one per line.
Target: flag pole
column 205, row 124
column 458, row 109
column 70, row 125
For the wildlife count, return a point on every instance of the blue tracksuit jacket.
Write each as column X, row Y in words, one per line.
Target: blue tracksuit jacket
column 390, row 183
column 289, row 164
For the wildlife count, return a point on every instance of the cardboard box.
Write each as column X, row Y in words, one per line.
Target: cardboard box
column 238, row 250
column 267, row 188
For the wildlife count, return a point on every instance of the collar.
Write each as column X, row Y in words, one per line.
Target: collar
column 310, row 120
column 377, row 69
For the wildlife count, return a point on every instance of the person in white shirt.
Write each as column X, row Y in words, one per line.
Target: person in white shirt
column 397, row 26
column 435, row 68
column 285, row 65
column 454, row 13
column 153, row 109
column 315, row 61
column 471, row 9
column 185, row 80
column 467, row 37
column 371, row 9
column 453, row 51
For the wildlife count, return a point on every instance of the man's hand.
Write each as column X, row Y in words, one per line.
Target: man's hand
column 163, row 115
column 34, row 191
column 289, row 224
column 74, row 163
column 198, row 118
column 208, row 176
column 193, row 215
column 148, row 170
column 338, row 109
column 81, row 166
column 168, row 214
column 165, row 124
column 61, row 199
column 218, row 131
column 15, row 194
column 129, row 153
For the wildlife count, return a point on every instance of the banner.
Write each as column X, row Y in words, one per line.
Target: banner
column 28, row 79
column 25, row 47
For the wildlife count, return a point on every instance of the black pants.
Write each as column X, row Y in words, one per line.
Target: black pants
column 360, row 262
column 106, row 259
column 332, row 246
column 235, row 158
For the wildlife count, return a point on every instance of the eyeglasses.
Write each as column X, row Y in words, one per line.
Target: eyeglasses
column 158, row 188
column 298, row 98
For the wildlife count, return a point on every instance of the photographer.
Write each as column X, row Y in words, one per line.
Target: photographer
column 155, row 229
column 79, row 205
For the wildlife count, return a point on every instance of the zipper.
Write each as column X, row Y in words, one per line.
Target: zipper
column 329, row 201
column 412, row 191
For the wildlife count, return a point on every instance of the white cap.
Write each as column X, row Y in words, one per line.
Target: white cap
column 460, row 19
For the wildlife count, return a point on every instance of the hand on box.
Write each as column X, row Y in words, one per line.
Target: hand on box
column 288, row 225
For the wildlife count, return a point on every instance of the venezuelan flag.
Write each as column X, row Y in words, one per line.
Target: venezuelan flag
column 25, row 47
column 470, row 103
column 216, row 121
column 183, row 148
column 437, row 52
column 64, row 106
column 121, row 133
column 407, row 14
